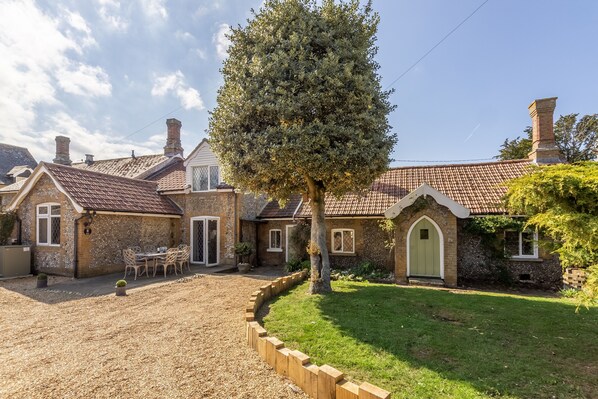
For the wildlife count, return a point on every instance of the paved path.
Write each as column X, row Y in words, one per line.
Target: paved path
column 182, row 339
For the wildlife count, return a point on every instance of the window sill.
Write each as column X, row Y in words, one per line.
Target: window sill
column 343, row 254
column 520, row 259
column 274, row 250
column 48, row 245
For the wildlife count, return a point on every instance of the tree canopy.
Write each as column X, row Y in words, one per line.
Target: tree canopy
column 562, row 201
column 577, row 140
column 301, row 109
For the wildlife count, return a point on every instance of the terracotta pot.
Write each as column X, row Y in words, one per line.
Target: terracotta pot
column 244, row 267
column 121, row 291
column 42, row 283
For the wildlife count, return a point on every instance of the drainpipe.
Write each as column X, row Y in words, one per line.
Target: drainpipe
column 75, row 249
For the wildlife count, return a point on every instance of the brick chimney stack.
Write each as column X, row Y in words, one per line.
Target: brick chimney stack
column 544, row 149
column 89, row 159
column 63, row 156
column 173, row 140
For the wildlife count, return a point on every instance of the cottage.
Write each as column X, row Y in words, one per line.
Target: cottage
column 431, row 207
column 79, row 216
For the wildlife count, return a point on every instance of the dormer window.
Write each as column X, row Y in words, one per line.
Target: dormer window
column 205, row 178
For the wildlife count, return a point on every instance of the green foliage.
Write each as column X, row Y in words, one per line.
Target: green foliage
column 299, row 239
column 42, row 276
column 568, row 293
column 243, row 248
column 295, row 265
column 388, row 227
column 577, row 140
column 517, row 148
column 121, row 283
column 363, row 272
column 302, row 100
column 493, row 224
column 562, row 201
column 7, row 224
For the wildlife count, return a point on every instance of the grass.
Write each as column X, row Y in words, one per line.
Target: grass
column 425, row 343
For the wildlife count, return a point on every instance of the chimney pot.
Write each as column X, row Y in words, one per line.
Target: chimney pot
column 89, row 159
column 544, row 149
column 133, row 154
column 62, row 151
column 173, row 139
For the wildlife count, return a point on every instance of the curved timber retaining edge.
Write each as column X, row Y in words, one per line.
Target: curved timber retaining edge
column 322, row 382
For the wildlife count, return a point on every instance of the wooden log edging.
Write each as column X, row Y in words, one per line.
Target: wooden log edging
column 324, row 382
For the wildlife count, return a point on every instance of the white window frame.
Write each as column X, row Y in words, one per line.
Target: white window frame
column 520, row 245
column 209, row 178
column 342, row 251
column 270, row 247
column 49, row 218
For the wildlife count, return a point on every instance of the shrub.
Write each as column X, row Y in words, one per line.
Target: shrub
column 297, row 264
column 121, row 283
column 243, row 249
column 363, row 271
column 42, row 276
column 569, row 292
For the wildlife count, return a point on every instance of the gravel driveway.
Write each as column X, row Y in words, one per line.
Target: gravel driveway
column 180, row 340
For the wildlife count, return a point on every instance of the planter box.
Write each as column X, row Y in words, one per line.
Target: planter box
column 15, row 261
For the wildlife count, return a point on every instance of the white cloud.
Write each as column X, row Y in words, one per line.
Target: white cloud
column 221, row 41
column 36, row 51
column 109, row 12
column 184, row 36
column 84, row 80
column 200, row 53
column 175, row 83
column 155, row 9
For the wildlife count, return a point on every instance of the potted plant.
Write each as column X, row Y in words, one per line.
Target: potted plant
column 243, row 250
column 121, row 288
column 42, row 280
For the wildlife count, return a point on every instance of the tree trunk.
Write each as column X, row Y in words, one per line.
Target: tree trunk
column 318, row 251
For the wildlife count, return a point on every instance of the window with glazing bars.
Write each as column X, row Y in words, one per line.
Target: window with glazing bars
column 48, row 224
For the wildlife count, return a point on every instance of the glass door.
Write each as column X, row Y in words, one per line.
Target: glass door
column 205, row 240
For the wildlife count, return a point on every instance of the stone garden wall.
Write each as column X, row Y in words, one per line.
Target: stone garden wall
column 320, row 382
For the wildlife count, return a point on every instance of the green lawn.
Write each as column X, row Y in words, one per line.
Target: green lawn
column 425, row 343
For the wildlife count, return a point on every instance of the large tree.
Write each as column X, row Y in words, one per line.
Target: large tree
column 302, row 109
column 562, row 201
column 577, row 140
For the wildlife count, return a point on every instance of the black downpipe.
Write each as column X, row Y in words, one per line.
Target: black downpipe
column 76, row 248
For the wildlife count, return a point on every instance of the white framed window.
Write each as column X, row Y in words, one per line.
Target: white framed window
column 343, row 241
column 521, row 244
column 275, row 240
column 48, row 224
column 205, row 178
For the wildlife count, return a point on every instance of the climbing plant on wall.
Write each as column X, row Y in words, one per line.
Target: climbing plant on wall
column 7, row 224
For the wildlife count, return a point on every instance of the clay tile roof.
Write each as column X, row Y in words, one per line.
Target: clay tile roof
column 11, row 156
column 273, row 210
column 171, row 178
column 478, row 187
column 103, row 192
column 124, row 167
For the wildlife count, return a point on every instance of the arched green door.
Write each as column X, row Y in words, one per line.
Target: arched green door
column 424, row 250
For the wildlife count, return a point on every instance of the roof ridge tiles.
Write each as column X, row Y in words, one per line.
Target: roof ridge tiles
column 509, row 161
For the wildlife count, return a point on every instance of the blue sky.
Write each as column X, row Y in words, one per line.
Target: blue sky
column 102, row 71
